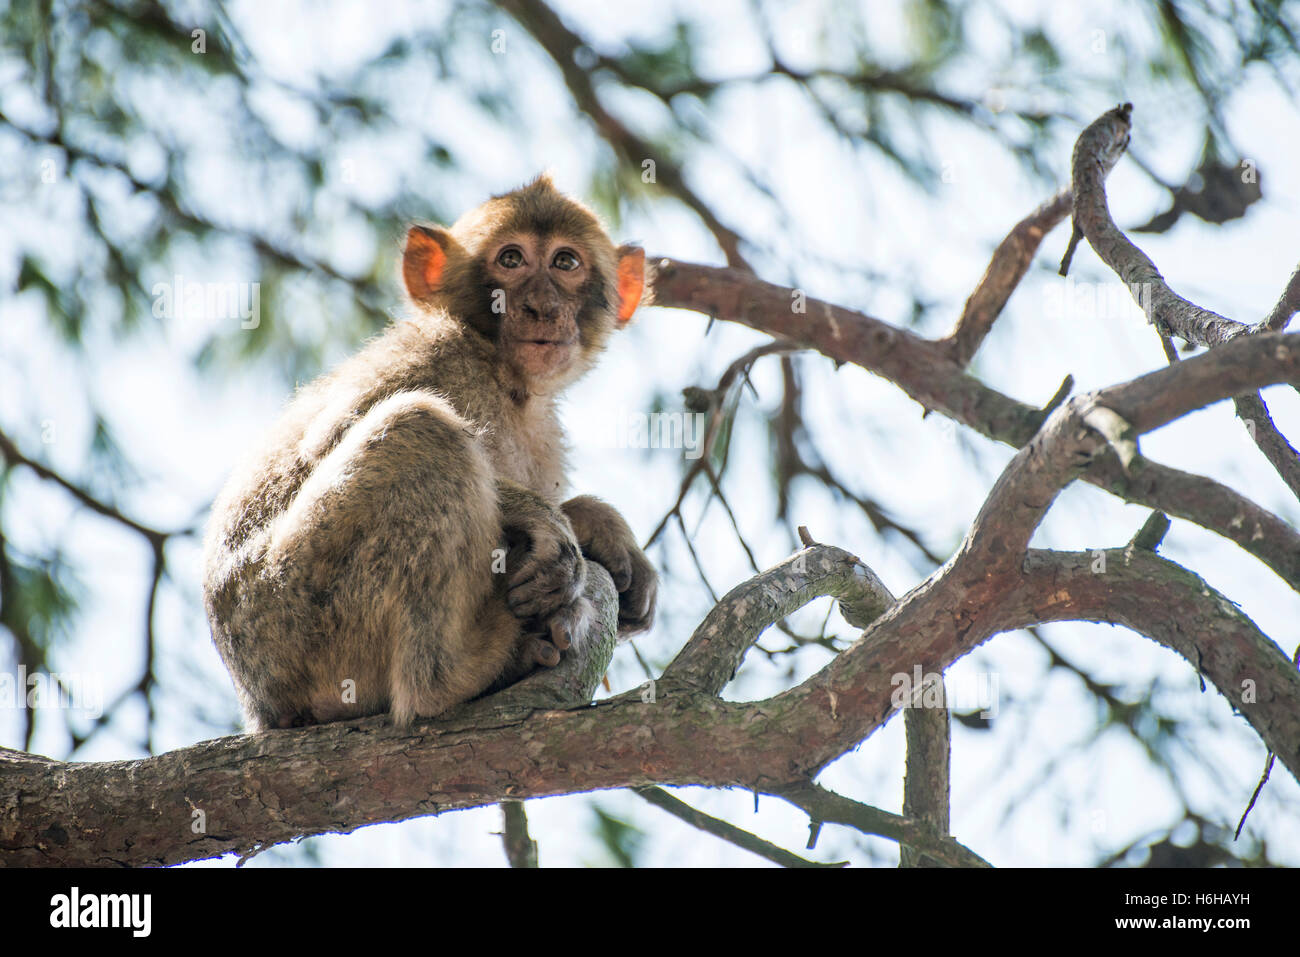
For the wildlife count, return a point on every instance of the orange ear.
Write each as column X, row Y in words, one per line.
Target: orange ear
column 631, row 281
column 423, row 261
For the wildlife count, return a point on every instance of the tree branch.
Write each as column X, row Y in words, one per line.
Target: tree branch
column 715, row 651
column 267, row 788
column 562, row 45
column 917, row 367
column 727, row 832
column 926, row 789
column 1288, row 304
column 521, row 849
column 11, row 453
column 827, row 807
column 1096, row 151
column 1280, row 453
column 1084, row 426
column 1010, row 262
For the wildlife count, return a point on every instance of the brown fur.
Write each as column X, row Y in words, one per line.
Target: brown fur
column 358, row 548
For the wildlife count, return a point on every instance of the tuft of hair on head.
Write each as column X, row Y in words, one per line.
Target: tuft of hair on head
column 539, row 207
column 542, row 181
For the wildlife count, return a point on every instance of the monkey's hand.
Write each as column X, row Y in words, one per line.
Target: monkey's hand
column 546, row 573
column 605, row 538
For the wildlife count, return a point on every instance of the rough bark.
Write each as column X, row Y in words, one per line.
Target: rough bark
column 926, row 786
column 258, row 790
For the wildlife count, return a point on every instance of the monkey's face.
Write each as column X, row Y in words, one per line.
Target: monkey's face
column 533, row 272
column 544, row 290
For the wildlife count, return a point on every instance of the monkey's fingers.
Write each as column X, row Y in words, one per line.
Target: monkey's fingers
column 547, row 580
column 634, row 626
column 570, row 625
column 560, row 634
column 616, row 559
column 529, row 604
column 542, row 589
column 636, row 606
column 547, row 551
column 541, row 651
column 636, row 603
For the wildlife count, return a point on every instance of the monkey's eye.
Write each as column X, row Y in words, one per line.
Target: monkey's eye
column 565, row 260
column 510, row 257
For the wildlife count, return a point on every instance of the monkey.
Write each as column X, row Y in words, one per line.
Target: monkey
column 401, row 542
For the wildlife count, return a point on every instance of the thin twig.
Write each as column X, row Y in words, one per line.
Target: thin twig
column 1268, row 769
column 1005, row 271
column 727, row 832
column 521, row 850
column 11, row 452
column 827, row 807
column 1253, row 412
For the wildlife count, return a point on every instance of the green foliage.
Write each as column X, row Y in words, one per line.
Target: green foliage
column 621, row 840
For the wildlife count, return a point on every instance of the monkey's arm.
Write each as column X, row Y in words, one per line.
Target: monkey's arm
column 606, row 538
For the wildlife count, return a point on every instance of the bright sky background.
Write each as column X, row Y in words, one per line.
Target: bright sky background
column 186, row 432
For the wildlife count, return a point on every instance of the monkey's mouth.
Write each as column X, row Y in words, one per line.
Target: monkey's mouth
column 545, row 346
column 544, row 356
column 547, row 342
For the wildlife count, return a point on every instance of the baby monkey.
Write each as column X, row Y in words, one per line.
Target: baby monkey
column 401, row 542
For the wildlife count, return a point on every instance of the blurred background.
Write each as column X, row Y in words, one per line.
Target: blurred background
column 871, row 154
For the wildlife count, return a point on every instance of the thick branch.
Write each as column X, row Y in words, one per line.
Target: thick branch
column 102, row 814
column 1095, row 152
column 917, row 367
column 1114, row 417
column 275, row 786
column 957, row 609
column 1207, row 503
column 714, row 653
column 1242, row 365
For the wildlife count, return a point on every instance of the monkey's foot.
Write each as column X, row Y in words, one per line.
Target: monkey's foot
column 539, row 651
column 563, row 629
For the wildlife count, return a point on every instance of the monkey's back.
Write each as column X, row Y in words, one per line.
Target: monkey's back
column 278, row 627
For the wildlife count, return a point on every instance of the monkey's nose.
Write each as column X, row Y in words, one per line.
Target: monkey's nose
column 540, row 310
